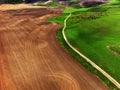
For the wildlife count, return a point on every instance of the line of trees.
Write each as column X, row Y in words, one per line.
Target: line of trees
column 11, row 1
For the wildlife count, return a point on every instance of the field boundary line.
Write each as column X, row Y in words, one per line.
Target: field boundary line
column 86, row 58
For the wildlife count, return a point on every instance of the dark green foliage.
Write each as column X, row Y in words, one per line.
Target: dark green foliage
column 92, row 3
column 11, row 1
column 98, row 9
column 74, row 4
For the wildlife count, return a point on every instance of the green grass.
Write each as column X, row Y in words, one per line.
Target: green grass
column 99, row 75
column 114, row 2
column 54, row 4
column 92, row 36
column 95, row 32
column 72, row 10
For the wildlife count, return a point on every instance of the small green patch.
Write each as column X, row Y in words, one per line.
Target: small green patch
column 115, row 49
column 54, row 4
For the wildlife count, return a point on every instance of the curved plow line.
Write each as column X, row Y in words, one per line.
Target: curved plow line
column 86, row 58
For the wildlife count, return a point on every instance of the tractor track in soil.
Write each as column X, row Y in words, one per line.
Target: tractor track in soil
column 32, row 59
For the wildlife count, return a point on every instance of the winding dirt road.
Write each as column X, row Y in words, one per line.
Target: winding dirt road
column 32, row 59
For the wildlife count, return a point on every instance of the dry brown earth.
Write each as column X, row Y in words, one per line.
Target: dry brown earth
column 32, row 59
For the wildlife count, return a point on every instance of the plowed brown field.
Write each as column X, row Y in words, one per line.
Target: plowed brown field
column 32, row 59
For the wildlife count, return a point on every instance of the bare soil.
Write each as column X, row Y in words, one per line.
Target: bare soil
column 17, row 6
column 32, row 59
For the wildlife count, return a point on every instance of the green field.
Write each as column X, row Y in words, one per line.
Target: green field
column 95, row 32
column 94, row 37
column 114, row 2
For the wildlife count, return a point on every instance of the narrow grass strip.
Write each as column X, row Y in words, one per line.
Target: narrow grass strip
column 86, row 58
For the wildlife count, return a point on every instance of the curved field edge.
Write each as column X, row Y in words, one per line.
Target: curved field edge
column 60, row 19
column 88, row 66
column 93, row 36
